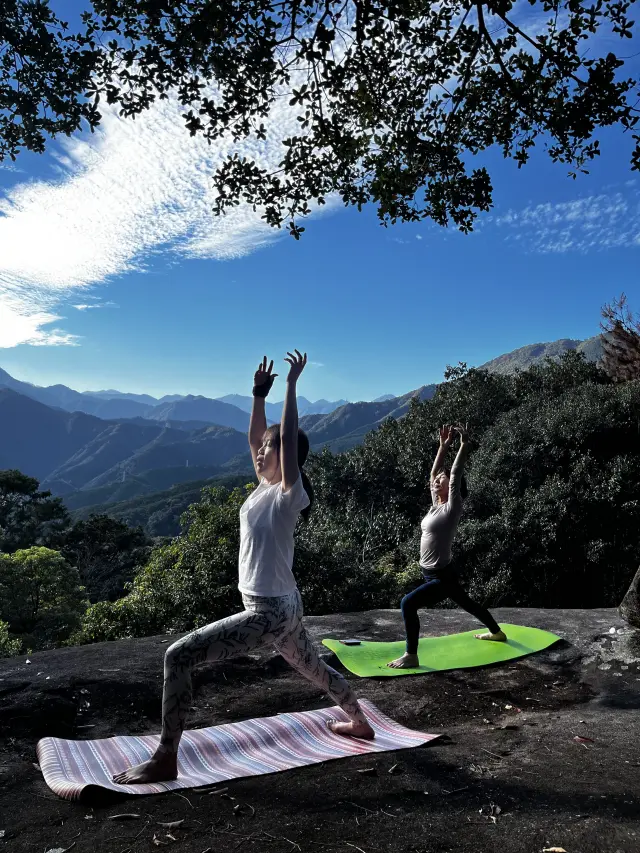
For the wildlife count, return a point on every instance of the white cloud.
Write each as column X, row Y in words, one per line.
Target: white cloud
column 120, row 196
column 22, row 319
column 8, row 166
column 597, row 222
column 316, row 364
column 89, row 307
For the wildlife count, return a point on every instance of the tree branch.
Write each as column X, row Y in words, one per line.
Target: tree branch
column 459, row 97
column 498, row 57
column 543, row 50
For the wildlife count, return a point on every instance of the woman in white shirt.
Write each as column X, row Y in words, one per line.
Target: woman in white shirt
column 273, row 608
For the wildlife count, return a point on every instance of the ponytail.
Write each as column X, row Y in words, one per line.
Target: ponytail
column 464, row 489
column 303, row 452
column 306, row 485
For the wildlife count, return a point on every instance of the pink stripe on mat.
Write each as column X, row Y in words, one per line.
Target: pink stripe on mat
column 218, row 753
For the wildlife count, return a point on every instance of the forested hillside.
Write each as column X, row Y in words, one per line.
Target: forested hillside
column 551, row 518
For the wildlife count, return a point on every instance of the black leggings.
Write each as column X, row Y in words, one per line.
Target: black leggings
column 432, row 592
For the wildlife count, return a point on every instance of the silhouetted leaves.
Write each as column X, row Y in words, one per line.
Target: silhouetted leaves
column 391, row 96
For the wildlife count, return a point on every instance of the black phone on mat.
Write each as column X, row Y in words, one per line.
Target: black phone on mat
column 350, row 642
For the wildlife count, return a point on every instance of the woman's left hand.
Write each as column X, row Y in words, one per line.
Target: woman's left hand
column 297, row 362
column 463, row 432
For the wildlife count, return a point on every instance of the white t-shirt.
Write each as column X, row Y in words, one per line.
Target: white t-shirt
column 267, row 521
column 439, row 526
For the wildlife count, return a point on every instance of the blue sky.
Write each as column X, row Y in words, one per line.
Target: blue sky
column 113, row 273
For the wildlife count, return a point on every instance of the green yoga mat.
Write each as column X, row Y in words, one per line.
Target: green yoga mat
column 453, row 651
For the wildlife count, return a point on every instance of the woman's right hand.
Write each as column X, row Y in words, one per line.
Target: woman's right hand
column 263, row 378
column 446, row 435
column 463, row 432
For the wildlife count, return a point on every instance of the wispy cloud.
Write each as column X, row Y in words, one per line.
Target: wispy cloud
column 22, row 318
column 605, row 221
column 89, row 307
column 316, row 364
column 120, row 197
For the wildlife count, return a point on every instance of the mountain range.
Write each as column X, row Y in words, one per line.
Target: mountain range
column 95, row 458
column 232, row 410
column 527, row 356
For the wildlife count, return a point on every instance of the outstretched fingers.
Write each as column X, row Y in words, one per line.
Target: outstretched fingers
column 263, row 366
column 296, row 361
column 264, row 372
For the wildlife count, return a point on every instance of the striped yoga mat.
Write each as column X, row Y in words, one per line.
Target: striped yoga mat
column 218, row 753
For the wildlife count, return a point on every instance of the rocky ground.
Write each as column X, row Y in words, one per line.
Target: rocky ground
column 509, row 776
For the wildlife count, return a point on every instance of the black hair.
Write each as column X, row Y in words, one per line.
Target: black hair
column 464, row 489
column 303, row 451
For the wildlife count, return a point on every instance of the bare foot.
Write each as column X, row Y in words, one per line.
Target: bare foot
column 407, row 661
column 351, row 729
column 500, row 637
column 163, row 767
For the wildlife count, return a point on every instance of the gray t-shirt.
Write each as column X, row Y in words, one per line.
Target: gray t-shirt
column 439, row 526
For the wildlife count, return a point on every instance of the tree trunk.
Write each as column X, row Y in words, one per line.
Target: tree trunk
column 630, row 607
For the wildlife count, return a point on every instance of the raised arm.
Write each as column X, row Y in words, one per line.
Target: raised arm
column 289, row 423
column 457, row 469
column 262, row 382
column 446, row 437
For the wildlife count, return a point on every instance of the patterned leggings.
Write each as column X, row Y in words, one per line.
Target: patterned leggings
column 276, row 621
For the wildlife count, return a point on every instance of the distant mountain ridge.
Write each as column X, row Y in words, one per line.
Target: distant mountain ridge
column 111, row 394
column 231, row 411
column 527, row 356
column 274, row 410
column 93, row 461
column 73, row 451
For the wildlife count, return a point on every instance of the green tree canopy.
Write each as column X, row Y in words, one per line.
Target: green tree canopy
column 554, row 500
column 106, row 552
column 391, row 95
column 41, row 598
column 187, row 583
column 28, row 516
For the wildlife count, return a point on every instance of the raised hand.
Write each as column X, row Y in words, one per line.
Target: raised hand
column 297, row 364
column 463, row 432
column 263, row 378
column 446, row 435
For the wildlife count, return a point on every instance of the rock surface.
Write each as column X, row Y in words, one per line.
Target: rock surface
column 630, row 607
column 509, row 776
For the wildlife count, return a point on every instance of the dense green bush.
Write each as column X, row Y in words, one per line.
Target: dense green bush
column 8, row 646
column 106, row 552
column 187, row 583
column 41, row 598
column 555, row 485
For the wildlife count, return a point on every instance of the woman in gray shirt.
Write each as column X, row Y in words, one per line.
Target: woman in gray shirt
column 438, row 530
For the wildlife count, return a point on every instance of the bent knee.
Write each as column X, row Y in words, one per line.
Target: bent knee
column 408, row 605
column 176, row 651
